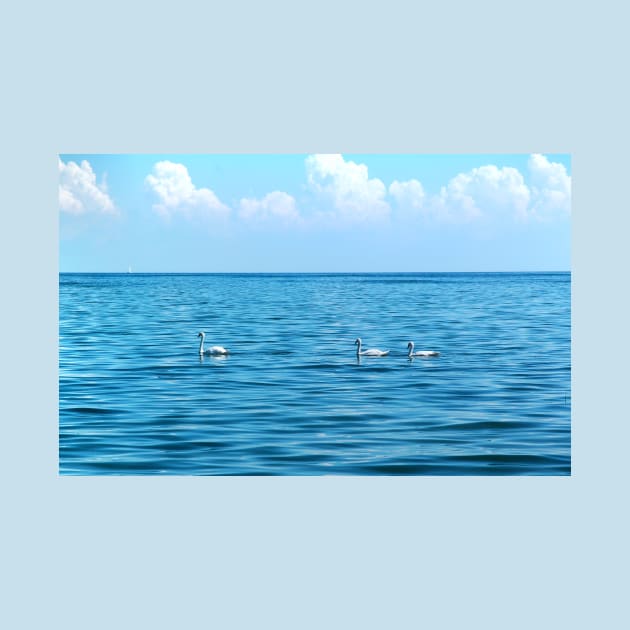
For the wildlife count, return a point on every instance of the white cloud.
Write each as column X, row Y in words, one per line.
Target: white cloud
column 354, row 195
column 409, row 194
column 78, row 191
column 275, row 205
column 482, row 192
column 177, row 194
column 551, row 186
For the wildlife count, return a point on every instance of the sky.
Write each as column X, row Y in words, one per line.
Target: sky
column 314, row 213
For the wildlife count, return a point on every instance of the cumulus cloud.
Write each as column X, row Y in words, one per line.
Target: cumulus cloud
column 176, row 193
column 275, row 205
column 551, row 186
column 481, row 192
column 409, row 194
column 354, row 195
column 78, row 191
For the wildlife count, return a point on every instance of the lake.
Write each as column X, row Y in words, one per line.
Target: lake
column 292, row 398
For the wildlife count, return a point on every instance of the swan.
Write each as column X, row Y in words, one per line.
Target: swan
column 211, row 350
column 420, row 353
column 369, row 353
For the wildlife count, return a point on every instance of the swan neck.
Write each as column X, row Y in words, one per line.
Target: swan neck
column 201, row 344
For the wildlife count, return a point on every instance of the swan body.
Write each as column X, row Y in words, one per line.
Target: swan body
column 420, row 353
column 216, row 350
column 372, row 352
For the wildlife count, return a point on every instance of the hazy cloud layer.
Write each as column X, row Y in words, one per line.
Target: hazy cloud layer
column 409, row 194
column 275, row 205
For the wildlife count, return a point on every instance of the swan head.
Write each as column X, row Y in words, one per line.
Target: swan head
column 201, row 334
column 357, row 341
column 410, row 345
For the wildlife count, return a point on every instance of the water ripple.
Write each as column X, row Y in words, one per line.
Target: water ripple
column 292, row 398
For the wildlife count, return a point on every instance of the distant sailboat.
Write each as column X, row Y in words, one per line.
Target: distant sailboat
column 129, row 271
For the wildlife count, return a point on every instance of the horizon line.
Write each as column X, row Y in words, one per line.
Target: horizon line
column 139, row 273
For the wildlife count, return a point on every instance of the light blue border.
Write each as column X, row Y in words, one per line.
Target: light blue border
column 314, row 552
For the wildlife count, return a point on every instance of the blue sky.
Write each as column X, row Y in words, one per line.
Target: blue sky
column 318, row 212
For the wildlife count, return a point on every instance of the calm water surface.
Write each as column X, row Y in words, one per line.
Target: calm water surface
column 292, row 398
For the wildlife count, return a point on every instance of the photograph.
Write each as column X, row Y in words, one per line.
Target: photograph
column 315, row 314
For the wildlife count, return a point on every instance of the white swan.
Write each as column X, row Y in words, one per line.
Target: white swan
column 213, row 350
column 373, row 352
column 420, row 353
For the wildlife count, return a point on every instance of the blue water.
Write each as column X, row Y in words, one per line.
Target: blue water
column 292, row 399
